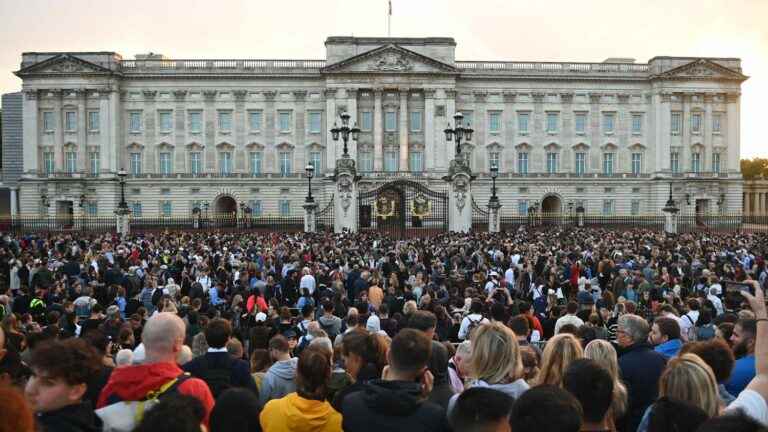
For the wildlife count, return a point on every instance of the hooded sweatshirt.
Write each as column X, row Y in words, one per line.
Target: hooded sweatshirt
column 294, row 413
column 279, row 381
column 71, row 418
column 391, row 406
column 132, row 383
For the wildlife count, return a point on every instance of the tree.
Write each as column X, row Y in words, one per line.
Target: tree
column 754, row 168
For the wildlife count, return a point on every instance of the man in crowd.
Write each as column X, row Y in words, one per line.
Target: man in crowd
column 665, row 337
column 592, row 385
column 481, row 409
column 743, row 340
column 280, row 379
column 569, row 318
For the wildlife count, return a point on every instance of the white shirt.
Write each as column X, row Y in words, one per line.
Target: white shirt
column 717, row 302
column 465, row 323
column 308, row 282
column 568, row 319
column 752, row 404
column 686, row 322
column 509, row 276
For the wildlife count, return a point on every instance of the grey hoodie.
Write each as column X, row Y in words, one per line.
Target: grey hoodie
column 279, row 381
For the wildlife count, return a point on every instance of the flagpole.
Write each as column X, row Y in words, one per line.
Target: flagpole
column 389, row 20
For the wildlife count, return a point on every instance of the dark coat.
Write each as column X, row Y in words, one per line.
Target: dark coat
column 71, row 418
column 640, row 368
column 240, row 373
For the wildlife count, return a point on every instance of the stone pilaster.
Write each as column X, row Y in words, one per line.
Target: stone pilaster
column 459, row 181
column 179, row 129
column 30, row 134
column 734, row 140
column 310, row 213
column 345, row 201
column 82, row 130
column 430, row 150
column 330, row 118
column 403, row 128
column 378, row 131
column 150, row 131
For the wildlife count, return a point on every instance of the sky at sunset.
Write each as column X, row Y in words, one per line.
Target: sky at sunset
column 584, row 31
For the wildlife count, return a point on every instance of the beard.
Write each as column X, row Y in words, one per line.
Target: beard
column 740, row 350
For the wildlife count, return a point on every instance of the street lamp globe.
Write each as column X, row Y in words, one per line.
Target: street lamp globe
column 310, row 170
column 494, row 170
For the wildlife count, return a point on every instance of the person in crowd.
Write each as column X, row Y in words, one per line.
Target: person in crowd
column 665, row 337
column 719, row 357
column 592, row 385
column 640, row 367
column 569, row 318
column 177, row 413
column 162, row 339
column 559, row 352
column 397, row 400
column 743, row 340
column 481, row 409
column 61, row 371
column 546, row 408
column 12, row 401
column 472, row 321
column 603, row 353
column 442, row 391
column 364, row 357
column 280, row 379
column 218, row 368
column 306, row 410
column 236, row 410
column 458, row 366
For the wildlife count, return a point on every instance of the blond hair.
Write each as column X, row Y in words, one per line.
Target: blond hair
column 495, row 354
column 559, row 352
column 604, row 354
column 690, row 379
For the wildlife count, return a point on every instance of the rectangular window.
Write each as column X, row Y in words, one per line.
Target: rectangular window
column 468, row 118
column 70, row 121
column 675, row 123
column 637, row 123
column 255, row 207
column 254, row 120
column 285, row 208
column 225, row 163
column 135, row 163
column 494, row 122
column 415, row 121
column 165, row 163
column 315, row 119
column 195, row 121
column 637, row 163
column 71, row 161
column 365, row 160
column 551, row 163
column 581, row 122
column 94, row 162
column 674, row 162
column 135, row 121
column 608, row 207
column 608, row 163
column 552, row 122
column 366, row 120
column 581, row 163
column 136, row 209
column 716, row 119
column 195, row 163
column 696, row 123
column 285, row 163
column 316, row 159
column 48, row 163
column 256, row 158
column 93, row 121
column 48, row 124
column 522, row 163
column 225, row 121
column 391, row 160
column 696, row 162
column 416, row 161
column 716, row 162
column 522, row 122
column 165, row 208
column 166, row 123
column 522, row 208
column 608, row 122
column 390, row 121
column 635, row 210
column 494, row 159
column 92, row 208
column 285, row 121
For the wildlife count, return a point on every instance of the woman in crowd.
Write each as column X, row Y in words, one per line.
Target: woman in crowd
column 604, row 354
column 559, row 352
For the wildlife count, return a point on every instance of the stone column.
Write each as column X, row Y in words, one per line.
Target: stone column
column 108, row 128
column 301, row 154
column 687, row 156
column 352, row 111
column 345, row 201
column 595, row 133
column 378, row 132
column 123, row 221
column 82, row 131
column 58, row 134
column 209, row 130
column 30, row 132
column 330, row 118
column 310, row 209
column 663, row 131
column 179, row 130
column 494, row 216
column 734, row 141
column 706, row 130
column 150, row 132
column 510, row 128
column 14, row 201
column 479, row 137
column 459, row 180
column 450, row 147
column 430, row 149
column 403, row 127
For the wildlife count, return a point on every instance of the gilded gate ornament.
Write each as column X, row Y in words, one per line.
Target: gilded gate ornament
column 420, row 206
column 384, row 207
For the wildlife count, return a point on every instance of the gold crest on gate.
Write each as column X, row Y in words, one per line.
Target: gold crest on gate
column 420, row 206
column 384, row 207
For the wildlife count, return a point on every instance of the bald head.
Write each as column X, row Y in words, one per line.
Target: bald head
column 163, row 337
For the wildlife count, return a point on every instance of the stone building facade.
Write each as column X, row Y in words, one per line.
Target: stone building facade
column 216, row 134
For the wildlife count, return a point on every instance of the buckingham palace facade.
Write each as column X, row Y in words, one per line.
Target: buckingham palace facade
column 222, row 134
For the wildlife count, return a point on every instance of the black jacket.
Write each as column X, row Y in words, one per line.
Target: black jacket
column 640, row 368
column 72, row 418
column 240, row 374
column 391, row 406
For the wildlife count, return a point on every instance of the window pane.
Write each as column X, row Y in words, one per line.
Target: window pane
column 225, row 162
column 674, row 162
column 552, row 119
column 135, row 121
column 367, row 121
column 608, row 122
column 47, row 121
column 716, row 123
column 195, row 122
column 165, row 163
column 315, row 158
column 391, row 161
column 314, row 122
column 494, row 122
column 285, row 208
column 716, row 162
column 254, row 119
column 522, row 122
column 70, row 123
column 390, row 121
column 93, row 120
column 580, row 163
column 581, row 120
column 94, row 161
column 675, row 126
column 637, row 123
column 636, row 163
column 256, row 163
column 195, row 166
column 225, row 121
column 608, row 163
column 285, row 163
column 696, row 123
column 522, row 208
column 48, row 162
column 165, row 121
column 136, row 209
column 135, row 163
column 365, row 160
column 71, row 161
column 522, row 163
column 415, row 160
column 285, row 121
column 635, row 207
column 415, row 121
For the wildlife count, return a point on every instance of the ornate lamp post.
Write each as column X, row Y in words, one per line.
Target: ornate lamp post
column 345, row 131
column 310, row 170
column 494, row 174
column 460, row 132
column 205, row 208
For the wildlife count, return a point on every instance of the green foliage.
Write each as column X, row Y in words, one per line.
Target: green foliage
column 754, row 168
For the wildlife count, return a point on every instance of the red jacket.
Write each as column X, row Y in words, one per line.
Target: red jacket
column 132, row 383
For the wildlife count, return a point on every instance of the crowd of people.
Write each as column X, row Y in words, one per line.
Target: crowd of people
column 545, row 328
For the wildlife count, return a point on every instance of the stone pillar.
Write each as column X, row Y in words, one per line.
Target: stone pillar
column 430, row 149
column 378, row 132
column 345, row 202
column 123, row 220
column 706, row 130
column 686, row 158
column 14, row 201
column 352, row 111
column 179, row 130
column 30, row 132
column 459, row 180
column 209, row 130
column 733, row 142
column 670, row 215
column 580, row 216
column 403, row 127
column 494, row 216
column 330, row 119
column 310, row 211
column 662, row 130
column 82, row 131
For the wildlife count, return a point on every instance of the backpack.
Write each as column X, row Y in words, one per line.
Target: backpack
column 218, row 379
column 691, row 332
column 705, row 332
column 124, row 416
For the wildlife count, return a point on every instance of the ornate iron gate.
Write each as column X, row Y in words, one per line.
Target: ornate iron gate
column 324, row 218
column 479, row 217
column 403, row 208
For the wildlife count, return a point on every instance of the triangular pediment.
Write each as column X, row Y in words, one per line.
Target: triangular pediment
column 63, row 64
column 702, row 69
column 390, row 59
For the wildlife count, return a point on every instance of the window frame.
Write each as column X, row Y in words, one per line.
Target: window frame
column 191, row 116
column 161, row 116
column 49, row 121
column 608, row 160
column 67, row 126
column 419, row 126
column 135, row 163
column 523, row 161
column 552, row 122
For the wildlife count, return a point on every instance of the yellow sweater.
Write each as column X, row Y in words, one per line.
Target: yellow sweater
column 296, row 414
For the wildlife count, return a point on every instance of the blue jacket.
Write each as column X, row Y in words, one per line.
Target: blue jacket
column 640, row 368
column 743, row 372
column 669, row 348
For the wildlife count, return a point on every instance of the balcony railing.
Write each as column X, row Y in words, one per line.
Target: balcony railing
column 168, row 66
column 213, row 175
column 535, row 68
